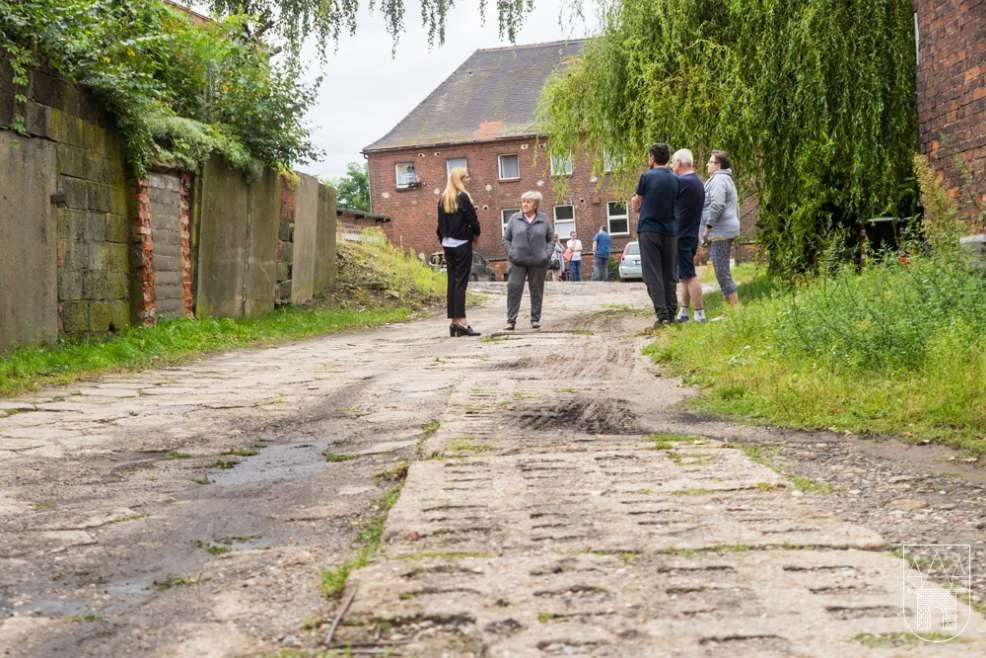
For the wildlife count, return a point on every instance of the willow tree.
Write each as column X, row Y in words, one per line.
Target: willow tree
column 326, row 20
column 814, row 100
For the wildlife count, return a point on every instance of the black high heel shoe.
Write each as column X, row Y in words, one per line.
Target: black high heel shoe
column 459, row 330
column 452, row 330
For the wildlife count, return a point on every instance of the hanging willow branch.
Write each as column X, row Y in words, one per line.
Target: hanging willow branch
column 814, row 100
column 327, row 20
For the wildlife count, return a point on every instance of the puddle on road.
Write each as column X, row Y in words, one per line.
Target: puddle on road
column 274, row 463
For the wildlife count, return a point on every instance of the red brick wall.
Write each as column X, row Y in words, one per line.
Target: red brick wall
column 414, row 211
column 951, row 85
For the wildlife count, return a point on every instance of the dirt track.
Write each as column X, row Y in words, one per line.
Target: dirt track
column 539, row 519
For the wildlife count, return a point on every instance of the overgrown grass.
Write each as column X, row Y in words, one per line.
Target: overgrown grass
column 896, row 349
column 377, row 284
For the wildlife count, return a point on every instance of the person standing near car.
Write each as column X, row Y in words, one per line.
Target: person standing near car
column 688, row 212
column 602, row 243
column 657, row 232
column 458, row 227
column 529, row 242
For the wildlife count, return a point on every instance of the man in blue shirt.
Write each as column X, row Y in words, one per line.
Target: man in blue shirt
column 602, row 243
column 688, row 211
column 657, row 232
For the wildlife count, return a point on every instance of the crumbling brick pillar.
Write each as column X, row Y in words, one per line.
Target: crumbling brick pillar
column 187, row 180
column 143, row 249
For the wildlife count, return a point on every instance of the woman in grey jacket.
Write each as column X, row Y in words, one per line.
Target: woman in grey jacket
column 529, row 240
column 720, row 219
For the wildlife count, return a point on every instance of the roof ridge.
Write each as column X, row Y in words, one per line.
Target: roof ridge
column 540, row 44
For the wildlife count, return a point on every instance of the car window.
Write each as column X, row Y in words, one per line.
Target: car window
column 632, row 249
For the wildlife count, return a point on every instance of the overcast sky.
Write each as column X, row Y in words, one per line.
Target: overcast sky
column 366, row 91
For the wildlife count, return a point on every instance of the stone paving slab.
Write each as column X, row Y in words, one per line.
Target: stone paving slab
column 544, row 523
column 756, row 603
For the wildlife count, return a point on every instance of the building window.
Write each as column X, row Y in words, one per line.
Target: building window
column 455, row 163
column 616, row 214
column 609, row 161
column 562, row 165
column 406, row 175
column 505, row 216
column 509, row 167
column 564, row 221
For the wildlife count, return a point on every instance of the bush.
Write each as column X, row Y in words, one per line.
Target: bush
column 179, row 90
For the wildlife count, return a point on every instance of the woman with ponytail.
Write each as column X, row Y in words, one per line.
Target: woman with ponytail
column 458, row 228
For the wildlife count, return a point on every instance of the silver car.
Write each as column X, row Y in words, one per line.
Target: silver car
column 630, row 262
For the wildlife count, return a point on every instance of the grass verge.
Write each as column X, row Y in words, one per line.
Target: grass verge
column 891, row 350
column 377, row 284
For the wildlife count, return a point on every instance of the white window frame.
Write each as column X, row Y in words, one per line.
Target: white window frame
column 608, row 161
column 566, row 222
column 505, row 216
column 562, row 166
column 499, row 166
column 402, row 180
column 625, row 217
column 452, row 163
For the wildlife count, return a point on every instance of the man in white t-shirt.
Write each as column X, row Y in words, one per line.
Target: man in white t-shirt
column 575, row 265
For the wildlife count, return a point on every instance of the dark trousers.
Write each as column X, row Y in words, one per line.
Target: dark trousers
column 515, row 290
column 658, row 257
column 458, row 265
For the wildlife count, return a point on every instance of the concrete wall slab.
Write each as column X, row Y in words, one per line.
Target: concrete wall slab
column 264, row 225
column 28, row 235
column 305, row 241
column 223, row 241
column 325, row 251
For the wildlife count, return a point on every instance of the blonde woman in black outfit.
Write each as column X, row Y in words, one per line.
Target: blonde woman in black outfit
column 458, row 227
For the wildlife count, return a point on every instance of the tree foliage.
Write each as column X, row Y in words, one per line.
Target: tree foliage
column 353, row 189
column 814, row 100
column 294, row 20
column 178, row 90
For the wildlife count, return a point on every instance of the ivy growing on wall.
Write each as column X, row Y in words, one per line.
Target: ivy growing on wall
column 178, row 90
column 814, row 100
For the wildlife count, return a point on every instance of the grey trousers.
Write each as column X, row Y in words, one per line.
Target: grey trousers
column 658, row 258
column 719, row 251
column 515, row 290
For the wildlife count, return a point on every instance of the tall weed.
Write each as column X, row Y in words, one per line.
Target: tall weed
column 894, row 349
column 885, row 317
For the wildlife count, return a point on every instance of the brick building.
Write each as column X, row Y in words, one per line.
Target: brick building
column 482, row 118
column 951, row 88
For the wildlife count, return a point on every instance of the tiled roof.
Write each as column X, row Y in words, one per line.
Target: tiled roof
column 188, row 11
column 492, row 95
